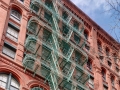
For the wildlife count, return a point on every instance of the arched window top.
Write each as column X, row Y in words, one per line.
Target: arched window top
column 37, row 88
column 7, row 80
column 16, row 14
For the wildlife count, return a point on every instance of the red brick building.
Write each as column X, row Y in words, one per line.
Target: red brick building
column 48, row 44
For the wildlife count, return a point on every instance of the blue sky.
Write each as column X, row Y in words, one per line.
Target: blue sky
column 97, row 10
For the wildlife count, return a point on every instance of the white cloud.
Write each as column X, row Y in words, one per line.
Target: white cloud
column 91, row 6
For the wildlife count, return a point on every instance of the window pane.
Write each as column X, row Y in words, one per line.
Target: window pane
column 3, row 77
column 2, row 84
column 3, row 80
column 13, row 88
column 14, row 84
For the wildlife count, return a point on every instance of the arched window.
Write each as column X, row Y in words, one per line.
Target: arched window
column 86, row 34
column 15, row 14
column 37, row 88
column 33, row 26
column 7, row 81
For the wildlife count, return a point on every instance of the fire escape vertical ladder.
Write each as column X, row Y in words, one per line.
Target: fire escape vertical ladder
column 49, row 50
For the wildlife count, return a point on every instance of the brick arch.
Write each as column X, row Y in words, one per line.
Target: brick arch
column 15, row 73
column 35, row 83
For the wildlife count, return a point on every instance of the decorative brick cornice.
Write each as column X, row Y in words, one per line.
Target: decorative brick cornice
column 4, row 5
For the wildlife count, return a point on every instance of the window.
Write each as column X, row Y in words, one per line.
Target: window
column 107, row 51
column 86, row 34
column 115, row 58
column 64, row 15
column 37, row 88
column 9, row 50
column 117, row 69
column 33, row 27
column 104, row 74
column 112, row 80
column 101, row 58
column 12, row 33
column 34, row 7
column 49, row 4
column 76, row 25
column 65, row 30
column 15, row 14
column 77, row 39
column 89, row 64
column 91, row 82
column 109, row 64
column 99, row 45
column 77, row 56
column 48, row 17
column 7, row 81
column 105, row 87
column 22, row 0
column 87, row 47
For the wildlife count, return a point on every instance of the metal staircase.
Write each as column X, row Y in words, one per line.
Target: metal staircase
column 49, row 50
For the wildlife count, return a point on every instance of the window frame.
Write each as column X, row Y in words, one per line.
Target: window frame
column 9, row 78
column 15, row 29
column 15, row 14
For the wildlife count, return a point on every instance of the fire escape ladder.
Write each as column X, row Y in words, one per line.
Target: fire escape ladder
column 70, row 72
column 53, row 82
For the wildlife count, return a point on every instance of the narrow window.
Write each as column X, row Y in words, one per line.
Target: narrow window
column 112, row 80
column 9, row 50
column 76, row 25
column 64, row 15
column 12, row 33
column 86, row 34
column 107, row 51
column 104, row 74
column 99, row 45
column 89, row 64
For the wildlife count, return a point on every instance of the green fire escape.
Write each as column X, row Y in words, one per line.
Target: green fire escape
column 53, row 47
